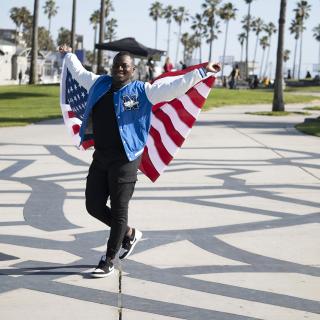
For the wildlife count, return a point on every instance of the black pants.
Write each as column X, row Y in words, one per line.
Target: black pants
column 113, row 177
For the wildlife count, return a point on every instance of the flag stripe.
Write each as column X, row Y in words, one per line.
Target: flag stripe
column 162, row 151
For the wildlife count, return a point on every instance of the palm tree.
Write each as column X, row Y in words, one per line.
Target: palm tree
column 34, row 49
column 226, row 13
column 94, row 19
column 295, row 29
column 302, row 13
column 200, row 29
column 111, row 29
column 210, row 10
column 168, row 15
column 257, row 27
column 180, row 15
column 156, row 12
column 270, row 29
column 189, row 44
column 241, row 39
column 50, row 9
column 264, row 43
column 73, row 25
column 316, row 35
column 286, row 56
column 20, row 17
column 278, row 102
column 247, row 28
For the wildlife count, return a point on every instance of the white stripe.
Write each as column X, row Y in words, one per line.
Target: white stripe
column 165, row 138
column 139, row 152
column 178, row 124
column 154, row 156
column 203, row 89
column 189, row 106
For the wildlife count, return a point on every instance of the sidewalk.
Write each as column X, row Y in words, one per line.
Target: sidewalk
column 230, row 231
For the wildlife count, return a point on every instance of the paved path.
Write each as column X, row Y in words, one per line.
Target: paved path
column 231, row 230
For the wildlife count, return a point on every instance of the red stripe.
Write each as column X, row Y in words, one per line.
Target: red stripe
column 175, row 136
column 163, row 153
column 210, row 81
column 183, row 114
column 76, row 128
column 147, row 167
column 71, row 114
column 196, row 97
column 87, row 144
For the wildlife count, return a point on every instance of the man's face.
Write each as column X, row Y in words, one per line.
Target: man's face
column 122, row 69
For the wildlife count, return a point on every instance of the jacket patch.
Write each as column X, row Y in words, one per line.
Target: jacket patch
column 130, row 102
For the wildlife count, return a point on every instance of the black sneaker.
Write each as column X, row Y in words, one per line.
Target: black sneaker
column 105, row 268
column 128, row 244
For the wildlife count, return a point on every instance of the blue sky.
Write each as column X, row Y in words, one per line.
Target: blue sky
column 133, row 20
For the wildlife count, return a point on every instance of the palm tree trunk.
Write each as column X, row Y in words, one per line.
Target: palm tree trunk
column 262, row 61
column 278, row 102
column 319, row 61
column 300, row 55
column 247, row 40
column 200, row 51
column 241, row 53
column 294, row 60
column 168, row 41
column 73, row 25
column 94, row 45
column 178, row 42
column 211, row 42
column 101, row 35
column 34, row 51
column 255, row 53
column 156, row 38
column 267, row 59
column 225, row 47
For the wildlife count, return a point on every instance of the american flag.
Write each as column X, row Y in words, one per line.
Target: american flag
column 171, row 121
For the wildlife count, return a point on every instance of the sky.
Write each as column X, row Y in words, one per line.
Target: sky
column 134, row 21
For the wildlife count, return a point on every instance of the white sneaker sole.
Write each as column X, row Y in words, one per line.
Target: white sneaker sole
column 102, row 275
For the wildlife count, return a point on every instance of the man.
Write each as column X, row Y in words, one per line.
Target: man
column 118, row 114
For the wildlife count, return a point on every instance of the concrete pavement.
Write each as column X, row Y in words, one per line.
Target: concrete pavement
column 230, row 230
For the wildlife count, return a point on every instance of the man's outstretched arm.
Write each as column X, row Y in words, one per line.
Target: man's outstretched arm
column 167, row 89
column 83, row 76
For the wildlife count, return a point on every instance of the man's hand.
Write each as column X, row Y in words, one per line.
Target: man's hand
column 64, row 49
column 213, row 67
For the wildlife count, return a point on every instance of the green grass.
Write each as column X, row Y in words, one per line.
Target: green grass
column 312, row 108
column 220, row 97
column 22, row 105
column 312, row 127
column 277, row 113
column 305, row 89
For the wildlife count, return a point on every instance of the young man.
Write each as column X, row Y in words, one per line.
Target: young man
column 118, row 114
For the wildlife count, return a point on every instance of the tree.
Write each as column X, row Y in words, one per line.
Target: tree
column 270, row 29
column 50, row 9
column 189, row 45
column 156, row 12
column 226, row 13
column 180, row 15
column 278, row 102
column 247, row 28
column 20, row 17
column 64, row 36
column 34, row 49
column 264, row 43
column 94, row 19
column 210, row 8
column 316, row 35
column 257, row 27
column 295, row 29
column 200, row 29
column 111, row 29
column 168, row 12
column 302, row 13
column 241, row 39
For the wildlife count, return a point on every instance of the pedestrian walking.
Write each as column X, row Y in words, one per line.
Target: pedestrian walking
column 117, row 115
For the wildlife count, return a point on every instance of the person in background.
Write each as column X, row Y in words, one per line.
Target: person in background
column 20, row 77
column 234, row 77
column 183, row 65
column 150, row 65
column 168, row 66
column 308, row 75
